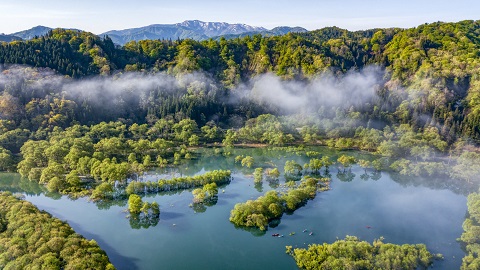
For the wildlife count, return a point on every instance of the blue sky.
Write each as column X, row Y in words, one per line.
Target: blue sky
column 98, row 16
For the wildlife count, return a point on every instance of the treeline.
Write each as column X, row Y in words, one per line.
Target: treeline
column 33, row 239
column 217, row 177
column 432, row 70
column 65, row 160
column 426, row 105
column 352, row 253
column 402, row 148
column 33, row 98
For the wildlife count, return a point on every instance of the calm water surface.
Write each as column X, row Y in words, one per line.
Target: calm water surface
column 185, row 239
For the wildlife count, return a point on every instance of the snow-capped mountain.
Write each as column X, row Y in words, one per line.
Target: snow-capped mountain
column 193, row 29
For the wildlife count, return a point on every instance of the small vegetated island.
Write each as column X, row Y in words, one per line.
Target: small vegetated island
column 258, row 213
column 351, row 253
column 73, row 121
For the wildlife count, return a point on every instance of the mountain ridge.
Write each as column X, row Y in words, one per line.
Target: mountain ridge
column 8, row 38
column 38, row 30
column 442, row 58
column 193, row 29
column 189, row 29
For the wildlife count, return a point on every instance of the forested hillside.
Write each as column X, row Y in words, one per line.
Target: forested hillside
column 403, row 93
column 86, row 117
column 431, row 70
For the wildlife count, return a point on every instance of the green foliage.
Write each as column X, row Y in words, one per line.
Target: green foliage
column 467, row 167
column 266, row 128
column 258, row 175
column 184, row 129
column 206, row 193
column 429, row 96
column 258, row 213
column 247, row 161
column 102, row 192
column 135, row 204
column 292, row 167
column 6, row 160
column 273, row 173
column 407, row 167
column 142, row 214
column 217, row 177
column 33, row 239
column 358, row 254
column 436, row 64
column 471, row 233
column 210, row 132
column 155, row 209
column 315, row 165
column 230, row 138
column 365, row 164
column 346, row 161
column 238, row 159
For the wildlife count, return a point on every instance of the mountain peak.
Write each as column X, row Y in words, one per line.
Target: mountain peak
column 189, row 29
column 212, row 29
column 38, row 30
column 193, row 29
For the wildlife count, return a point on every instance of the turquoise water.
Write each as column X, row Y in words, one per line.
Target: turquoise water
column 402, row 212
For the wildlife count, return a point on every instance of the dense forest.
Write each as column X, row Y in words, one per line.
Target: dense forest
column 86, row 117
column 429, row 76
column 33, row 239
column 382, row 90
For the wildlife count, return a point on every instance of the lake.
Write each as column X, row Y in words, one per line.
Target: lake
column 402, row 210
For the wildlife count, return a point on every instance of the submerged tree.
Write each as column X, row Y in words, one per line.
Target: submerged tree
column 206, row 193
column 346, row 161
column 135, row 204
column 247, row 161
column 292, row 167
column 258, row 175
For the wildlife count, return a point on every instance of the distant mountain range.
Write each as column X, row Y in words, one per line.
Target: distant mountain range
column 8, row 38
column 192, row 29
column 33, row 32
column 195, row 29
column 277, row 31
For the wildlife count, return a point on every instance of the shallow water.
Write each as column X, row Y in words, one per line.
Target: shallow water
column 184, row 239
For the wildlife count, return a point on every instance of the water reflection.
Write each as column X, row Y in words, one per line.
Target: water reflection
column 346, row 176
column 402, row 209
column 273, row 183
column 202, row 207
column 252, row 230
column 107, row 204
column 140, row 221
column 258, row 186
column 14, row 183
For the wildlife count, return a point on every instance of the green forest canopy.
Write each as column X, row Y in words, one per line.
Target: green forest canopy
column 432, row 73
column 33, row 239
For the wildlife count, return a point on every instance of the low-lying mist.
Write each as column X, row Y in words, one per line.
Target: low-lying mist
column 39, row 81
column 137, row 96
column 290, row 96
column 352, row 89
